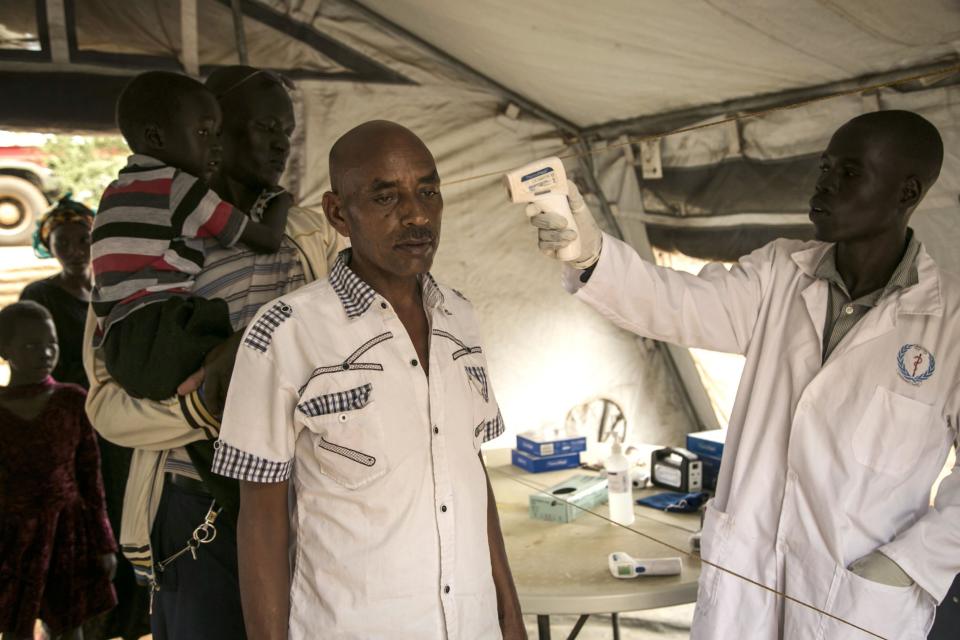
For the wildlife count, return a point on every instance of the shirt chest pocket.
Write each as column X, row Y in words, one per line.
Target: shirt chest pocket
column 893, row 432
column 486, row 422
column 347, row 433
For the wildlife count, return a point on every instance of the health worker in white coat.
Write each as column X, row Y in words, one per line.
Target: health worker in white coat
column 847, row 408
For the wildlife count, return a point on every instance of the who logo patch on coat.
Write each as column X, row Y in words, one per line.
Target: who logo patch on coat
column 916, row 363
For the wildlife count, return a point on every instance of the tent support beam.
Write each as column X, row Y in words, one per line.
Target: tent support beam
column 585, row 158
column 678, row 360
column 559, row 122
column 57, row 30
column 189, row 47
column 667, row 121
column 238, row 33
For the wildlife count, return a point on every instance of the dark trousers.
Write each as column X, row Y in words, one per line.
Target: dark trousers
column 947, row 624
column 130, row 619
column 198, row 599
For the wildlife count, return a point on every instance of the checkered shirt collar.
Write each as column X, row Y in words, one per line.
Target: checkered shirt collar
column 905, row 275
column 356, row 296
column 432, row 295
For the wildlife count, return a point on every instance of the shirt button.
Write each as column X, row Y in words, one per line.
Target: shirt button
column 848, row 310
column 383, row 305
column 446, row 589
column 413, row 363
column 436, row 429
column 345, row 366
column 443, row 508
column 342, row 417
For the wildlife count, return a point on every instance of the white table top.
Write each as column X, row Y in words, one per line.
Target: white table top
column 561, row 568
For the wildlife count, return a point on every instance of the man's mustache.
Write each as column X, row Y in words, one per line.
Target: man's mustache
column 417, row 234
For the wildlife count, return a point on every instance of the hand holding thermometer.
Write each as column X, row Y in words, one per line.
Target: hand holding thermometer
column 623, row 566
column 545, row 182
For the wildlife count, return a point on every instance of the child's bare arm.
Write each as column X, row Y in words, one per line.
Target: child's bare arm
column 265, row 236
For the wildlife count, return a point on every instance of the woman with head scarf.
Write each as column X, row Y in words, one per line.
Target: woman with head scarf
column 64, row 233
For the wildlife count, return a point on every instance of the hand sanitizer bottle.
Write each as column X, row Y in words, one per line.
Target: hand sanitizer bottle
column 619, row 487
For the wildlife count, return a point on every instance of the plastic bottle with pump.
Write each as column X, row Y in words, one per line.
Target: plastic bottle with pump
column 619, row 487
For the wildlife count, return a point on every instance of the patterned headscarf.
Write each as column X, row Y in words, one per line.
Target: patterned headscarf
column 65, row 211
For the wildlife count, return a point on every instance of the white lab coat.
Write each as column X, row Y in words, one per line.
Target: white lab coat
column 822, row 464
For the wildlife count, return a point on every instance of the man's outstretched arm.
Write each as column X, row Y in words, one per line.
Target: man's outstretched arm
column 263, row 535
column 508, row 604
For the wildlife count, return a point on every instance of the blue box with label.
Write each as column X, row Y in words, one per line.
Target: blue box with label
column 707, row 443
column 538, row 464
column 538, row 444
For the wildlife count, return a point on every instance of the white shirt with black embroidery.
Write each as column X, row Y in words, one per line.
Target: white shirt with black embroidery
column 390, row 515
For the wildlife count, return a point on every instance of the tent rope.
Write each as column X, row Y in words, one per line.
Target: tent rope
column 938, row 73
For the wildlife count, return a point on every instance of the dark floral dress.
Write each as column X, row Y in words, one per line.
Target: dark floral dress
column 53, row 523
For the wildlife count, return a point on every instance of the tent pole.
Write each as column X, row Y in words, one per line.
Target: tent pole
column 585, row 158
column 238, row 33
column 57, row 30
column 663, row 122
column 524, row 103
column 678, row 360
column 189, row 52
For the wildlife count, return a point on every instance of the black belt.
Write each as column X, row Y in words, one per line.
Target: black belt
column 187, row 483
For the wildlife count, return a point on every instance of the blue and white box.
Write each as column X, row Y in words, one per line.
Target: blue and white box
column 707, row 443
column 539, row 464
column 540, row 444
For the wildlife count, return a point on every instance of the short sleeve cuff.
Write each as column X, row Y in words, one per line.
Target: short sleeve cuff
column 233, row 229
column 197, row 415
column 493, row 428
column 233, row 463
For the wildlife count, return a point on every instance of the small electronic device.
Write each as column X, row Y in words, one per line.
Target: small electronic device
column 695, row 542
column 545, row 181
column 708, row 445
column 623, row 566
column 639, row 478
column 677, row 469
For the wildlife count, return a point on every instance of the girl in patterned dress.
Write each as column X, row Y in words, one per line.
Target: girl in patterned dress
column 56, row 545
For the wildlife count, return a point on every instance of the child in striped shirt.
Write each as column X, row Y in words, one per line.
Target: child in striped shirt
column 148, row 237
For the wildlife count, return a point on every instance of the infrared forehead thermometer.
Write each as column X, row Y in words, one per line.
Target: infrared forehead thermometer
column 623, row 566
column 545, row 182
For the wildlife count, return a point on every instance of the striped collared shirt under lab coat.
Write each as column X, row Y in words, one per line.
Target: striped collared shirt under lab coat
column 842, row 311
column 390, row 516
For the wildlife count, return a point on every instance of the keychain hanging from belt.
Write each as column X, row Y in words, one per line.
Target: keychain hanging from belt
column 205, row 533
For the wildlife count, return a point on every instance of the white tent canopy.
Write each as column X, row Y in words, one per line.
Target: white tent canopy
column 491, row 84
column 593, row 63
